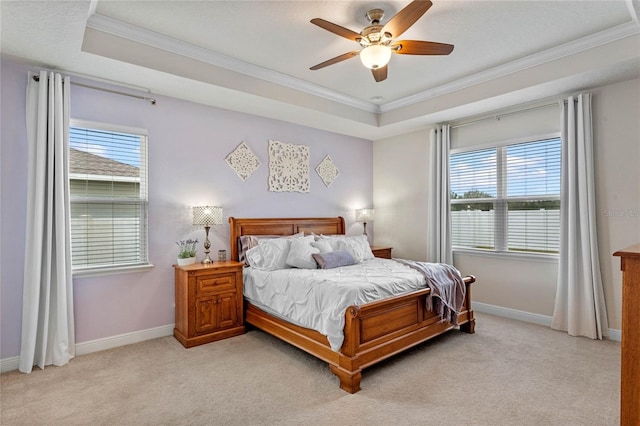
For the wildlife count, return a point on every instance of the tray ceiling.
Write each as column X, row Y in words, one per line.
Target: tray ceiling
column 254, row 56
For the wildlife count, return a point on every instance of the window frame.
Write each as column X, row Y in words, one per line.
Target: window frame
column 501, row 231
column 144, row 178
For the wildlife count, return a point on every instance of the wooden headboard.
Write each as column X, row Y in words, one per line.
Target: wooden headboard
column 281, row 226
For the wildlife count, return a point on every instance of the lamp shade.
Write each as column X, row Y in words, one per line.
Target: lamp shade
column 364, row 215
column 375, row 56
column 207, row 215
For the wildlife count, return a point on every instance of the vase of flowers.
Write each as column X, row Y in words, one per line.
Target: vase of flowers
column 187, row 254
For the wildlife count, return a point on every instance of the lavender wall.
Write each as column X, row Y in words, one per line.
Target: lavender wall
column 187, row 146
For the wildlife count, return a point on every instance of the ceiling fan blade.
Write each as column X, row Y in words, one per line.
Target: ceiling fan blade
column 335, row 60
column 380, row 73
column 416, row 47
column 406, row 17
column 337, row 29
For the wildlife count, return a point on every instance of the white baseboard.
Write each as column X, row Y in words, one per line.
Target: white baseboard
column 9, row 364
column 512, row 313
column 615, row 335
column 123, row 339
column 515, row 314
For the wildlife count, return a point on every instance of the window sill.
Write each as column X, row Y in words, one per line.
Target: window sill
column 545, row 258
column 112, row 270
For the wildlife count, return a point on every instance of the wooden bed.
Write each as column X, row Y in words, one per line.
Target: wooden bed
column 372, row 332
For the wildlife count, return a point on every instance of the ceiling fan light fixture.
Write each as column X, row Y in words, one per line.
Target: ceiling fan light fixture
column 375, row 56
column 377, row 41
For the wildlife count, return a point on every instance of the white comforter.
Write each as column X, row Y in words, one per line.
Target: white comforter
column 318, row 298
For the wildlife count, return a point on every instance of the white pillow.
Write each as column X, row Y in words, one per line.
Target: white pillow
column 251, row 242
column 300, row 253
column 322, row 245
column 361, row 244
column 274, row 253
column 358, row 245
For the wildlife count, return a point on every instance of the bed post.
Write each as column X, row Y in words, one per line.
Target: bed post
column 233, row 238
column 348, row 370
column 349, row 380
column 469, row 327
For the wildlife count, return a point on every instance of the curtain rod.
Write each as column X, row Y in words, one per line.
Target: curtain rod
column 499, row 116
column 152, row 100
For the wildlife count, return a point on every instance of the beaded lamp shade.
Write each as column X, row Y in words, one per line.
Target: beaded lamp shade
column 207, row 215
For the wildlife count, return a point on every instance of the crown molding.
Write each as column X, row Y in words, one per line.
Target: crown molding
column 588, row 42
column 151, row 38
column 160, row 41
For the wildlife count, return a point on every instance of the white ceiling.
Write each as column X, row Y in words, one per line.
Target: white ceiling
column 254, row 56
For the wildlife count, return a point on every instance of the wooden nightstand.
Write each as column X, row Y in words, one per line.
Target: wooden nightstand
column 209, row 303
column 384, row 252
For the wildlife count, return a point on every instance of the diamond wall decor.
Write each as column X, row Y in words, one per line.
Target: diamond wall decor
column 243, row 161
column 327, row 170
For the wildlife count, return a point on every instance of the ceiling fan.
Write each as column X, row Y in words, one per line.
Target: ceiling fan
column 377, row 40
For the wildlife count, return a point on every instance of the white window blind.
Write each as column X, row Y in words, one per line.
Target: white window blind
column 108, row 187
column 507, row 198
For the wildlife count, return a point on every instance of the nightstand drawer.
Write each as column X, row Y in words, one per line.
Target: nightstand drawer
column 215, row 283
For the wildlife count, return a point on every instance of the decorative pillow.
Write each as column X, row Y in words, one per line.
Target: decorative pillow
column 322, row 245
column 300, row 253
column 253, row 257
column 246, row 242
column 274, row 253
column 358, row 245
column 334, row 259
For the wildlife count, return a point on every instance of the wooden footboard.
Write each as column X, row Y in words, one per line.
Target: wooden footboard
column 373, row 332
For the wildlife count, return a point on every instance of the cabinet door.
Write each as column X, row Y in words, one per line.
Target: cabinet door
column 227, row 310
column 206, row 314
column 215, row 312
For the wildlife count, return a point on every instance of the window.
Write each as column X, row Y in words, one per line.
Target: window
column 507, row 198
column 108, row 188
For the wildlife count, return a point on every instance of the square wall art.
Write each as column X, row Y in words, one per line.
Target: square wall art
column 288, row 167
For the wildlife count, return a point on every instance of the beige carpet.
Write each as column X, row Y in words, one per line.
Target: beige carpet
column 508, row 373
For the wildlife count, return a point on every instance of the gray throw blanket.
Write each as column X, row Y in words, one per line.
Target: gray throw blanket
column 447, row 288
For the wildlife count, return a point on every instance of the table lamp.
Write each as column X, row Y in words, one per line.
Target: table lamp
column 364, row 216
column 207, row 216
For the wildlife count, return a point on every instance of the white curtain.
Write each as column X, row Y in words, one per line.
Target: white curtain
column 47, row 307
column 439, row 216
column 580, row 306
